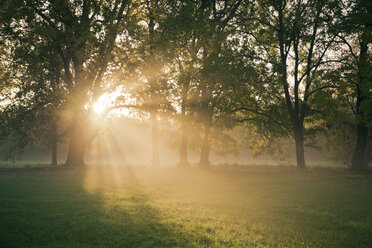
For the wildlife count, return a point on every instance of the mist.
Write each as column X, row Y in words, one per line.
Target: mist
column 127, row 141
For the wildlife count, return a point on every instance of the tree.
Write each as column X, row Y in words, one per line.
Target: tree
column 144, row 53
column 294, row 38
column 83, row 34
column 181, row 33
column 362, row 16
column 356, row 72
column 216, row 18
column 34, row 93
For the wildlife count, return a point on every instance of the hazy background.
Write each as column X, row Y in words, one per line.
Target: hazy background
column 128, row 141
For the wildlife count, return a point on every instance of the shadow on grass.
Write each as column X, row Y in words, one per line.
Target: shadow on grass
column 52, row 209
column 108, row 207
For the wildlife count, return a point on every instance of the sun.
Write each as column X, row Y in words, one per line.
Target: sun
column 107, row 100
column 99, row 107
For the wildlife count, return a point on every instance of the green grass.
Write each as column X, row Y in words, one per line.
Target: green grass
column 123, row 207
column 22, row 164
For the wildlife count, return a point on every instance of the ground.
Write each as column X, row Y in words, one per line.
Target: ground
column 126, row 207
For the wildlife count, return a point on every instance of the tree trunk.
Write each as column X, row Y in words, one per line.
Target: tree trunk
column 77, row 145
column 359, row 161
column 363, row 93
column 184, row 162
column 299, row 140
column 293, row 111
column 54, row 143
column 204, row 155
column 155, row 142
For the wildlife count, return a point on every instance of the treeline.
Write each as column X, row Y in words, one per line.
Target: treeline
column 280, row 70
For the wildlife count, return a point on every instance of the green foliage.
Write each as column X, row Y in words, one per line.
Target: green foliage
column 278, row 69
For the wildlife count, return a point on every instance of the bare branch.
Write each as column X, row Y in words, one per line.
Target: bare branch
column 321, row 88
column 258, row 113
column 349, row 46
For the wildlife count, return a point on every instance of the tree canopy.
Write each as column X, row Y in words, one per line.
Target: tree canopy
column 277, row 71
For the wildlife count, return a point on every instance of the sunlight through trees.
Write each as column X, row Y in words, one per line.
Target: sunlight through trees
column 209, row 75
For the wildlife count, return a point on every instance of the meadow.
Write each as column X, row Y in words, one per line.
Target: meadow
column 126, row 207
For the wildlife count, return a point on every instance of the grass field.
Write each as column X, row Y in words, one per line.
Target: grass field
column 124, row 207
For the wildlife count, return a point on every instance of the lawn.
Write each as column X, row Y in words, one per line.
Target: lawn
column 124, row 207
